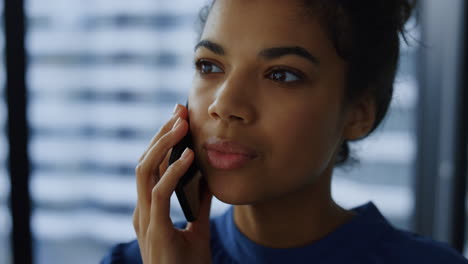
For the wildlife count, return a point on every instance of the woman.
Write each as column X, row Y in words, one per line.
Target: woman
column 280, row 89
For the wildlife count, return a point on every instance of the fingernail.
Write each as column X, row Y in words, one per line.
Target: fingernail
column 185, row 154
column 176, row 107
column 176, row 123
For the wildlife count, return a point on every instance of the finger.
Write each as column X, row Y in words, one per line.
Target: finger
column 202, row 224
column 136, row 220
column 159, row 154
column 165, row 163
column 179, row 112
column 161, row 195
column 146, row 169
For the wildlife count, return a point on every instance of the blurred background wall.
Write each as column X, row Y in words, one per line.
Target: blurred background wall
column 102, row 77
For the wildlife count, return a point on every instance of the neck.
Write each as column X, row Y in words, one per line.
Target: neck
column 294, row 220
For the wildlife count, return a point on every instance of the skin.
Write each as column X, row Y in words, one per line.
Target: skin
column 295, row 122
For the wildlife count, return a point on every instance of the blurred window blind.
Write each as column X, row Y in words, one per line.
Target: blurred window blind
column 103, row 77
column 385, row 173
column 5, row 216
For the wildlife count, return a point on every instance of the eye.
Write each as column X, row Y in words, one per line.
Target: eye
column 283, row 75
column 206, row 67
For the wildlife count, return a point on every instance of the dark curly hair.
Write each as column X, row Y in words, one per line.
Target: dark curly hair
column 366, row 34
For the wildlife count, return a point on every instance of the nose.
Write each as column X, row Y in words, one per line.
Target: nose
column 234, row 101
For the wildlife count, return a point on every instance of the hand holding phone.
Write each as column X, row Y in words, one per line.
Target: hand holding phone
column 159, row 240
column 188, row 188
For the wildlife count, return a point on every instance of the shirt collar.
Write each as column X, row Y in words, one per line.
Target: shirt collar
column 360, row 231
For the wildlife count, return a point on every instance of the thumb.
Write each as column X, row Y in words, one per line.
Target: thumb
column 202, row 224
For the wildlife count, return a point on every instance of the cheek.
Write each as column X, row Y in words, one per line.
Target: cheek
column 198, row 115
column 195, row 93
column 199, row 99
column 195, row 114
column 305, row 145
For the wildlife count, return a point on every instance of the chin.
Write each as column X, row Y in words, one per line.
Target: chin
column 231, row 198
column 234, row 191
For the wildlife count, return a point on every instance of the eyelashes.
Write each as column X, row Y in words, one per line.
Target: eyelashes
column 276, row 74
column 284, row 75
column 206, row 67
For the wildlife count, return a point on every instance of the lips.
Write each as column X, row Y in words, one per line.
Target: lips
column 227, row 154
column 228, row 147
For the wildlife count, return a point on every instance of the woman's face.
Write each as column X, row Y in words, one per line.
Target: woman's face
column 286, row 104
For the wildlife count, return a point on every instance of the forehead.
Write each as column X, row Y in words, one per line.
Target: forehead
column 262, row 23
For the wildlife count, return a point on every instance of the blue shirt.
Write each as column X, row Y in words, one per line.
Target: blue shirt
column 367, row 238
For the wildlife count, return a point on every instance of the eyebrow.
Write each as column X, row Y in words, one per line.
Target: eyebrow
column 269, row 53
column 273, row 53
column 216, row 48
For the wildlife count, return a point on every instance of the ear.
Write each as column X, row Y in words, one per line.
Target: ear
column 360, row 118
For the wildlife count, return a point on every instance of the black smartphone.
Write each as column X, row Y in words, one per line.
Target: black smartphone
column 188, row 189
